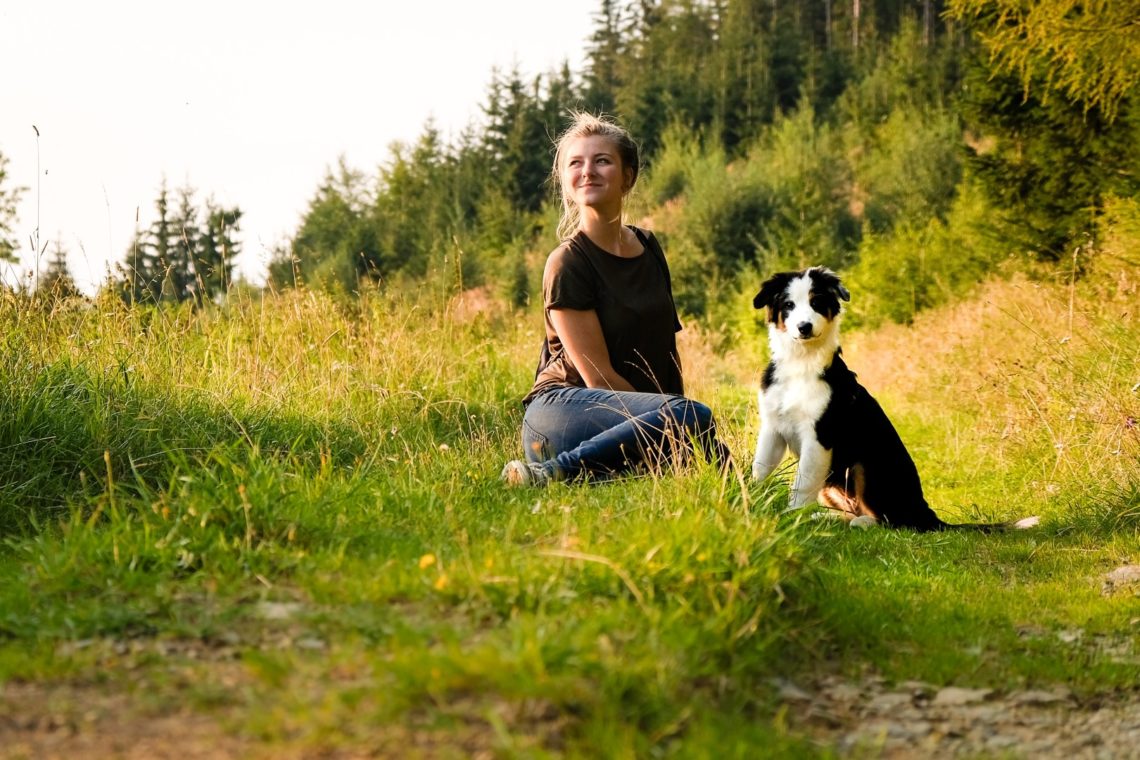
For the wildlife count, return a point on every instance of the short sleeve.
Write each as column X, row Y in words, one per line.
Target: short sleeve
column 568, row 281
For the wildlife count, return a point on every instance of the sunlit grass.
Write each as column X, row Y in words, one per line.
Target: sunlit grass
column 286, row 513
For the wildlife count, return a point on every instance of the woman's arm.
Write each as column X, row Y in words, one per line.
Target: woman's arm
column 581, row 334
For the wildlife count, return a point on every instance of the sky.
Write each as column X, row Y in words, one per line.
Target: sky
column 246, row 101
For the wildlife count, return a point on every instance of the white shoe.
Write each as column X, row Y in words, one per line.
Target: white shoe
column 518, row 473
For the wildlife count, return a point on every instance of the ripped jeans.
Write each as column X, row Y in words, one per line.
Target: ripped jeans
column 575, row 432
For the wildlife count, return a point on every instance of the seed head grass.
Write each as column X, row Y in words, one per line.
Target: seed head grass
column 285, row 513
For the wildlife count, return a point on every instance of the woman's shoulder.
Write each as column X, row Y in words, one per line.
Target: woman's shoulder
column 646, row 236
column 568, row 252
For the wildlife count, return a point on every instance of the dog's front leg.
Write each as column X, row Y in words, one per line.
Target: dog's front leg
column 815, row 463
column 770, row 450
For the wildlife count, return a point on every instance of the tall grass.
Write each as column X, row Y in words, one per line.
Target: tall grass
column 1031, row 386
column 168, row 473
column 287, row 512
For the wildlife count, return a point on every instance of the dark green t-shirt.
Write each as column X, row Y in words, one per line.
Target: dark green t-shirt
column 634, row 304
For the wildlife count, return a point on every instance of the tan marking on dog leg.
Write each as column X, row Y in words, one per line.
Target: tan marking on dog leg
column 835, row 498
column 860, row 490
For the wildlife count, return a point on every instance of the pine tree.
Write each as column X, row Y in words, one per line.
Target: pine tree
column 1085, row 50
column 139, row 275
column 1049, row 164
column 606, row 51
column 9, row 198
column 216, row 252
column 336, row 240
column 56, row 281
column 163, row 234
column 180, row 276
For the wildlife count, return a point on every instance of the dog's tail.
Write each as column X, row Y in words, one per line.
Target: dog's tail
column 1022, row 524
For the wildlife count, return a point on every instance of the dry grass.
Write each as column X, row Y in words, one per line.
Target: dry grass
column 1031, row 372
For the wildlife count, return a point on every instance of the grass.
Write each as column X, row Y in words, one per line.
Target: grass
column 285, row 515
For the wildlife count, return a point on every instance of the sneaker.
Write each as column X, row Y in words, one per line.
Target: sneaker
column 519, row 473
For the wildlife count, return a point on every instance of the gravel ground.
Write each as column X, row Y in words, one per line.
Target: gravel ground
column 916, row 720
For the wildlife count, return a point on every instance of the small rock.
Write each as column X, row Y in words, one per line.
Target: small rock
column 789, row 692
column 1037, row 697
column 311, row 643
column 277, row 610
column 843, row 692
column 920, row 688
column 889, row 702
column 954, row 695
column 1120, row 578
column 1002, row 741
column 1070, row 636
column 232, row 638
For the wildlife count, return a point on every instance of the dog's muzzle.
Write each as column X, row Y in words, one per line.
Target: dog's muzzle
column 804, row 329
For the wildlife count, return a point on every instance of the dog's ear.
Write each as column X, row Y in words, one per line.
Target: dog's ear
column 828, row 280
column 841, row 291
column 771, row 288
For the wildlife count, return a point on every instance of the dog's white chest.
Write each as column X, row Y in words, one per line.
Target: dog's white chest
column 793, row 406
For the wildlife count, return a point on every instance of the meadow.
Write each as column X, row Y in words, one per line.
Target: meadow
column 275, row 529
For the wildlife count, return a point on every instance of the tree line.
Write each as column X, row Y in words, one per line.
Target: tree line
column 912, row 143
column 187, row 254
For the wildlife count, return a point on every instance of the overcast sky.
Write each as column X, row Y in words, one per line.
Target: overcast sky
column 247, row 101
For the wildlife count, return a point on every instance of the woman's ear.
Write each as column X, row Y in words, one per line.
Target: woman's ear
column 628, row 178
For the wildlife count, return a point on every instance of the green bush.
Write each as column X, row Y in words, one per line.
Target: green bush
column 914, row 267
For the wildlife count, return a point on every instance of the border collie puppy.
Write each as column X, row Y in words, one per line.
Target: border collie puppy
column 851, row 459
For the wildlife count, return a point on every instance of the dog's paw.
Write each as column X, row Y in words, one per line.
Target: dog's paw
column 863, row 521
column 1027, row 522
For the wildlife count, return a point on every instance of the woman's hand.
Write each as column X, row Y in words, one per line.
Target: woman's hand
column 581, row 334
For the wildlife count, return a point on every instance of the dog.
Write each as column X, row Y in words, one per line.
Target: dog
column 851, row 458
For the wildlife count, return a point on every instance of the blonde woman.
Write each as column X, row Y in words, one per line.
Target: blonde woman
column 608, row 393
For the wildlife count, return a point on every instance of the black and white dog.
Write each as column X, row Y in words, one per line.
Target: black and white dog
column 851, row 459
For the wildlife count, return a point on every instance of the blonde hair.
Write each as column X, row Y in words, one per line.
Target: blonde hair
column 589, row 125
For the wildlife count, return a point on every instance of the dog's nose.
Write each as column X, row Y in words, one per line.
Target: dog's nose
column 805, row 329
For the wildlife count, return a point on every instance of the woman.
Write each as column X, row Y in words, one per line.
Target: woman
column 607, row 396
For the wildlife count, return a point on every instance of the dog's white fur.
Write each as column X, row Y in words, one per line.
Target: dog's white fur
column 789, row 410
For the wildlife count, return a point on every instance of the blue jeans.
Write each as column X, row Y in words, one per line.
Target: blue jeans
column 574, row 432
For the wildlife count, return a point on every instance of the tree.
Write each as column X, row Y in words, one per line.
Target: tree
column 180, row 257
column 56, row 281
column 1087, row 50
column 9, row 198
column 606, row 50
column 139, row 275
column 179, row 272
column 1049, row 164
column 335, row 241
column 216, row 251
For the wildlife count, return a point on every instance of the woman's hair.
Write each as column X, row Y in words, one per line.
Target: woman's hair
column 589, row 125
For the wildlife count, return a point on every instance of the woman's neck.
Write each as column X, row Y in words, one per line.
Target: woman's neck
column 607, row 232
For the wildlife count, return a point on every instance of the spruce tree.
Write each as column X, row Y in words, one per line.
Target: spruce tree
column 216, row 252
column 9, row 198
column 180, row 278
column 56, row 281
column 138, row 278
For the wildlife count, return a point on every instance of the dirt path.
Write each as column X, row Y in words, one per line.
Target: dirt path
column 916, row 720
column 68, row 722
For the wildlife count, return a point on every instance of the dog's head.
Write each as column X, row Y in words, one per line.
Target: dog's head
column 802, row 305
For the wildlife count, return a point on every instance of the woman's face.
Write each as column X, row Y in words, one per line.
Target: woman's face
column 592, row 174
